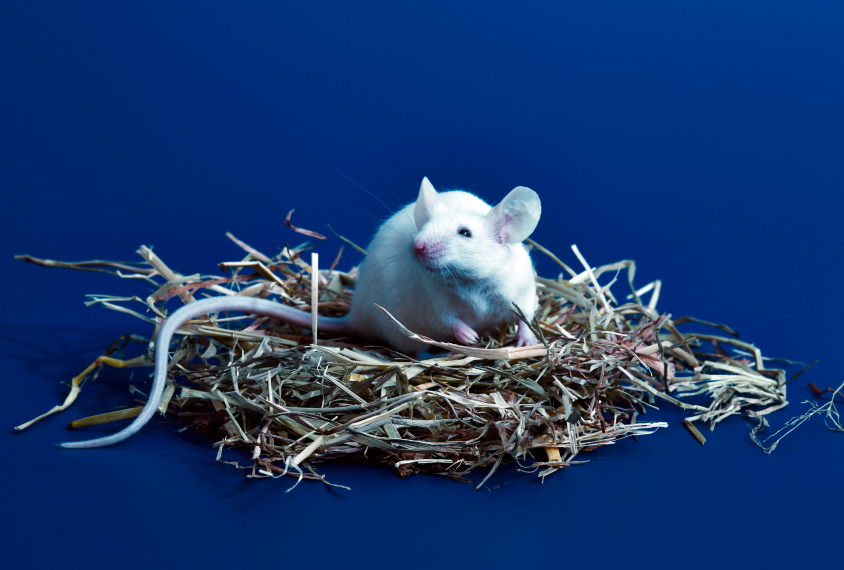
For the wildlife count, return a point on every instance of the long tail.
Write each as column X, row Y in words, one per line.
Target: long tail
column 177, row 319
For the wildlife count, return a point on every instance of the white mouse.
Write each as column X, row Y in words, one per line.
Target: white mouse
column 448, row 266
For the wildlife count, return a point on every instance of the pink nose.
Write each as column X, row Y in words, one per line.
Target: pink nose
column 428, row 251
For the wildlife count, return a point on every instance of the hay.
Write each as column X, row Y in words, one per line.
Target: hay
column 268, row 390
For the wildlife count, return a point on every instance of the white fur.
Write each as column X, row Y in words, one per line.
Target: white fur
column 476, row 280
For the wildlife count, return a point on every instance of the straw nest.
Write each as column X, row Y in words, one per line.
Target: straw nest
column 290, row 405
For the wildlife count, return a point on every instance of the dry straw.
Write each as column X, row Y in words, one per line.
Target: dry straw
column 290, row 403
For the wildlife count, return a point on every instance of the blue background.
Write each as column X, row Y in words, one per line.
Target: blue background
column 703, row 140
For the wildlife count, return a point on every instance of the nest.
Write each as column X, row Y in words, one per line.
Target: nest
column 292, row 404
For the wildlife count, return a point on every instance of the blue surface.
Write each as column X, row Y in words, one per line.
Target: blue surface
column 705, row 140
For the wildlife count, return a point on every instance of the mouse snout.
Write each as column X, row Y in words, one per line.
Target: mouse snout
column 428, row 251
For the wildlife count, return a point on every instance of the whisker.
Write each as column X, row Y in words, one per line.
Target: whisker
column 365, row 190
column 390, row 187
column 372, row 217
column 385, row 260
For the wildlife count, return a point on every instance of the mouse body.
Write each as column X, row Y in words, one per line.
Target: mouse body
column 448, row 266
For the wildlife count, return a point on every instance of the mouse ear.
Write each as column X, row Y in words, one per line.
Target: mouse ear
column 424, row 203
column 516, row 216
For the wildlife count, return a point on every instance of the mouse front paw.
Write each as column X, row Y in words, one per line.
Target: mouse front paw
column 525, row 337
column 464, row 333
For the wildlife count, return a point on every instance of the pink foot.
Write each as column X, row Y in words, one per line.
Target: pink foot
column 464, row 333
column 524, row 337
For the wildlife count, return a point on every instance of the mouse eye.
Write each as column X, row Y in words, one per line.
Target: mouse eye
column 465, row 233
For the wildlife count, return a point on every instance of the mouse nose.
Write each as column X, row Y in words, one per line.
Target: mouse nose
column 428, row 251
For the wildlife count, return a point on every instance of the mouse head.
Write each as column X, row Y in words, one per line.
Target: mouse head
column 461, row 234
